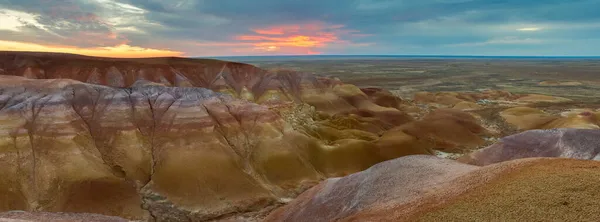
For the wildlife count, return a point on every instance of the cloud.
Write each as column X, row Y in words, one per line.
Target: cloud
column 95, row 27
column 272, row 31
column 514, row 40
column 303, row 35
column 123, row 51
column 62, row 22
column 16, row 20
column 258, row 27
column 285, row 39
column 529, row 29
column 510, row 40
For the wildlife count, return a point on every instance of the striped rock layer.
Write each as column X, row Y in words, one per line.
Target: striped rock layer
column 176, row 139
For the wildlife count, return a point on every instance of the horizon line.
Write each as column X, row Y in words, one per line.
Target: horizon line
column 325, row 55
column 406, row 55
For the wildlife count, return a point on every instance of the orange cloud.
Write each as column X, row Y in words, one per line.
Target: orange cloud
column 294, row 41
column 304, row 38
column 273, row 31
column 120, row 51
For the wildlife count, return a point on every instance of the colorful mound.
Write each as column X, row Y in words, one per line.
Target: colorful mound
column 502, row 113
column 425, row 188
column 398, row 181
column 526, row 118
column 76, row 147
column 448, row 129
column 565, row 143
column 155, row 148
column 535, row 98
column 531, row 190
column 329, row 96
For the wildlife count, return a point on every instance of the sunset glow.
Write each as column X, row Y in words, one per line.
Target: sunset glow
column 306, row 38
column 121, row 51
column 293, row 41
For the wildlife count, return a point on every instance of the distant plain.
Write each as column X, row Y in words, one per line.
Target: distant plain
column 576, row 78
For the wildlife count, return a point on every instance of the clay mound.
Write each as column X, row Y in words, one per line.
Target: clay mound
column 535, row 98
column 154, row 146
column 566, row 143
column 74, row 147
column 56, row 217
column 480, row 100
column 130, row 151
column 467, row 106
column 527, row 118
column 383, row 97
column 118, row 72
column 89, row 148
column 237, row 79
column 534, row 190
column 356, row 103
column 444, row 98
column 445, row 190
column 448, row 129
column 386, row 98
column 397, row 182
column 275, row 89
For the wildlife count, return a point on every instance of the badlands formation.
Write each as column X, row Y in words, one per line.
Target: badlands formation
column 174, row 139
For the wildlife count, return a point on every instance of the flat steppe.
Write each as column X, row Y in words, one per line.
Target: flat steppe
column 573, row 78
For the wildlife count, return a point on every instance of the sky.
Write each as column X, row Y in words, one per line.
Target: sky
column 199, row 28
